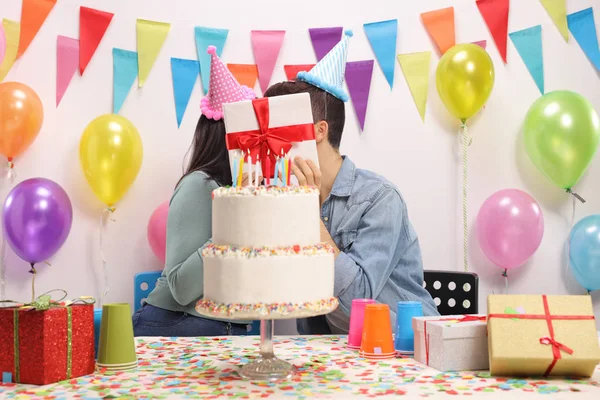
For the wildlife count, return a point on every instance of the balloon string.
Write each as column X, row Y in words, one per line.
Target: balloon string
column 466, row 141
column 576, row 196
column 34, row 273
column 106, row 287
column 10, row 177
column 568, row 245
column 505, row 275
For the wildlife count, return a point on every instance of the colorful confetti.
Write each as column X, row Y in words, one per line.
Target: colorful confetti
column 213, row 250
column 263, row 190
column 206, row 368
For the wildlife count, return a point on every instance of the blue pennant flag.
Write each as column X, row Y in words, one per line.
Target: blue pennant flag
column 383, row 36
column 185, row 74
column 582, row 26
column 125, row 70
column 529, row 45
column 204, row 38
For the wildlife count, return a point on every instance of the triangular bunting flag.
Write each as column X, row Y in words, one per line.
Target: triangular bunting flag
column 415, row 67
column 358, row 79
column 323, row 39
column 481, row 43
column 529, row 45
column 208, row 37
column 266, row 46
column 583, row 28
column 440, row 26
column 33, row 15
column 245, row 74
column 184, row 74
column 11, row 33
column 495, row 15
column 151, row 36
column 67, row 59
column 2, row 43
column 125, row 70
column 291, row 71
column 92, row 26
column 557, row 9
column 383, row 36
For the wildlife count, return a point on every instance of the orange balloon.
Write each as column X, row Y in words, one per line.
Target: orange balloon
column 21, row 116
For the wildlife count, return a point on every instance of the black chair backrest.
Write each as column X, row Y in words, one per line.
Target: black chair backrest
column 453, row 292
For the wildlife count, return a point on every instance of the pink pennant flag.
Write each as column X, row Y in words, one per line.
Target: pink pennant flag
column 266, row 46
column 481, row 43
column 67, row 60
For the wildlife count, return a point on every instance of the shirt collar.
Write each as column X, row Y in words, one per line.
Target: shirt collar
column 345, row 179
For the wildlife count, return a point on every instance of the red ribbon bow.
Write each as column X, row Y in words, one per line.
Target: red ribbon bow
column 464, row 318
column 550, row 340
column 266, row 142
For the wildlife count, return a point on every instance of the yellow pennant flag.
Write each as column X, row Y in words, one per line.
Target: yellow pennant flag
column 557, row 9
column 150, row 37
column 12, row 30
column 415, row 67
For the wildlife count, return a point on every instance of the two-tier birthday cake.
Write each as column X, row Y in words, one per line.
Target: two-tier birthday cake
column 266, row 260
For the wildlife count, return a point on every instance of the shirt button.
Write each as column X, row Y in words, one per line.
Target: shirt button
column 326, row 219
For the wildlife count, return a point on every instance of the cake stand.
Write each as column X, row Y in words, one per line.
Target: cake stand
column 267, row 367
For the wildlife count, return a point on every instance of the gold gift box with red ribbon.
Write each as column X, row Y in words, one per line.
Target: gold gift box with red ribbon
column 264, row 129
column 540, row 335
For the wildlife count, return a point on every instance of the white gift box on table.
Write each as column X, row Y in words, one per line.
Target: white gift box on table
column 452, row 342
column 267, row 124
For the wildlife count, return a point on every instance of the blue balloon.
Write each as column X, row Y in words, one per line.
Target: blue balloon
column 584, row 252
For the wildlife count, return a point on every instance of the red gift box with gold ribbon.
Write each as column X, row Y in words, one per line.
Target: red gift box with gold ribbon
column 540, row 335
column 43, row 346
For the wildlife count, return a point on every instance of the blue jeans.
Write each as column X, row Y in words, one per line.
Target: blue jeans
column 155, row 321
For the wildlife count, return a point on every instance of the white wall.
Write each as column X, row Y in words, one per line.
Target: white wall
column 419, row 158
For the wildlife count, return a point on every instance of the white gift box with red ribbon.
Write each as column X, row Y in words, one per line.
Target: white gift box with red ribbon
column 452, row 343
column 268, row 127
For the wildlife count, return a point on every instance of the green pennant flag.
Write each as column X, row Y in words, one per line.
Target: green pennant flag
column 415, row 67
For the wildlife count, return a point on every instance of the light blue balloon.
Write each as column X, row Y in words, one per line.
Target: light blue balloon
column 584, row 252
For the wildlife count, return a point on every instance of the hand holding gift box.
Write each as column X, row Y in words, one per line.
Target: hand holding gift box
column 47, row 341
column 452, row 343
column 533, row 335
column 267, row 134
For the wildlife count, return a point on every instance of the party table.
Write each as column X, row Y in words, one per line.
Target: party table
column 207, row 368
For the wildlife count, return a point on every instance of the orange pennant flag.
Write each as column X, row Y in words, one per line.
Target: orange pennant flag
column 246, row 74
column 440, row 26
column 33, row 15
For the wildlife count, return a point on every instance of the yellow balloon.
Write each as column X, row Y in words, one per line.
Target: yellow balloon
column 465, row 78
column 111, row 155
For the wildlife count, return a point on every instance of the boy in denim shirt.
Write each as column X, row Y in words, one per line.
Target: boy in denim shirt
column 363, row 215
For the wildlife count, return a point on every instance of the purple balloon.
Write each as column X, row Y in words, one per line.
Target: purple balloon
column 37, row 218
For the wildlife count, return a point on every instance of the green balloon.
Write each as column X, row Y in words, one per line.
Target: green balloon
column 562, row 131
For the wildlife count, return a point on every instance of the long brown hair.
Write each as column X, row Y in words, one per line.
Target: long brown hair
column 209, row 152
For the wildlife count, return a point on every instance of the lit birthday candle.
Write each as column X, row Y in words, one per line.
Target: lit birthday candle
column 286, row 170
column 236, row 171
column 268, row 168
column 249, row 168
column 256, row 169
column 276, row 175
column 241, row 171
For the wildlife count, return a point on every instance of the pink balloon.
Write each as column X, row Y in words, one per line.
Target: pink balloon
column 157, row 231
column 510, row 227
column 2, row 44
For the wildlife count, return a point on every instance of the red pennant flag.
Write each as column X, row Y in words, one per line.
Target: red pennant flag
column 92, row 26
column 440, row 25
column 33, row 15
column 291, row 71
column 495, row 14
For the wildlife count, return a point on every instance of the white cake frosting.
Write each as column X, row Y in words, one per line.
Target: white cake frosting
column 265, row 258
column 259, row 216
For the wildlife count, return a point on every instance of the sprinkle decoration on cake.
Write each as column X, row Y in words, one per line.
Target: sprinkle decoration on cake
column 263, row 191
column 268, row 309
column 213, row 250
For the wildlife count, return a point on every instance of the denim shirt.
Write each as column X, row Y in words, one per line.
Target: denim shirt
column 380, row 257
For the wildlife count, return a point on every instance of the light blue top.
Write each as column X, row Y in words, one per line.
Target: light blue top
column 380, row 255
